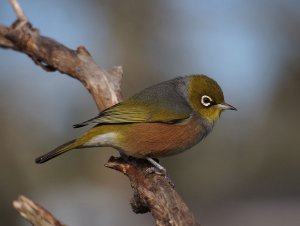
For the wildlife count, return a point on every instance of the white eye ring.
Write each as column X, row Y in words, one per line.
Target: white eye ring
column 206, row 100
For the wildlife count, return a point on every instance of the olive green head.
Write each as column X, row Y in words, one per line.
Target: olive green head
column 206, row 97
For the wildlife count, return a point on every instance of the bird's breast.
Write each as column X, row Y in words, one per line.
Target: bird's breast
column 161, row 139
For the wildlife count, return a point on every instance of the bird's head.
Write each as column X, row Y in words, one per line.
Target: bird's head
column 206, row 97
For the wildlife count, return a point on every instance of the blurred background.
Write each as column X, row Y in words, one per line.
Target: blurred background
column 245, row 173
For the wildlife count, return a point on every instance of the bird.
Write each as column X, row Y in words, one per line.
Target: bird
column 162, row 120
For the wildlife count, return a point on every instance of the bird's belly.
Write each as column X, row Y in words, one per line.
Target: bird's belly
column 161, row 139
column 104, row 139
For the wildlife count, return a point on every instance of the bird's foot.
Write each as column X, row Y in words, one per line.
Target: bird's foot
column 155, row 170
column 159, row 170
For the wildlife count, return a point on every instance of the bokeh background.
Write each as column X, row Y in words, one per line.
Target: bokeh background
column 245, row 173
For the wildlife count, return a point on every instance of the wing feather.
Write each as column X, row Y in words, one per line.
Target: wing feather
column 160, row 103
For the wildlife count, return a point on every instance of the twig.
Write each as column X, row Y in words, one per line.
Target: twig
column 18, row 10
column 151, row 192
column 34, row 213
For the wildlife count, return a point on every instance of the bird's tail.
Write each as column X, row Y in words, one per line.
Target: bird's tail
column 57, row 151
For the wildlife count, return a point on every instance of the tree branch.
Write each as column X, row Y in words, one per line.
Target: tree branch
column 49, row 54
column 18, row 10
column 152, row 192
column 34, row 213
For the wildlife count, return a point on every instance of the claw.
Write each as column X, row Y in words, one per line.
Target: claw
column 159, row 170
column 155, row 171
column 157, row 165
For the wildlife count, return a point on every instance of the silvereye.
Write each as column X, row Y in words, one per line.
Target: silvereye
column 162, row 120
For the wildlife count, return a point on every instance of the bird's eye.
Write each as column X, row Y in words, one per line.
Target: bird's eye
column 206, row 100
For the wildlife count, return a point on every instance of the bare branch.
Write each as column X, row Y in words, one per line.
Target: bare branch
column 35, row 213
column 153, row 192
column 52, row 56
column 4, row 42
column 18, row 10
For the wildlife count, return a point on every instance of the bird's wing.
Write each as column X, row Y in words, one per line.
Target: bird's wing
column 124, row 113
column 161, row 103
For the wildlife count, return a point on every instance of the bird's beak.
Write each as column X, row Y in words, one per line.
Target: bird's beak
column 225, row 106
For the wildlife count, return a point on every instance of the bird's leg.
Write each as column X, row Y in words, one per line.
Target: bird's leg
column 158, row 169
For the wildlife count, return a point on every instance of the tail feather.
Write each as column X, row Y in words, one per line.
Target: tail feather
column 57, row 151
column 80, row 125
column 85, row 123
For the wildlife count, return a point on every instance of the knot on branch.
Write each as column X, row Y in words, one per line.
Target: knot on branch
column 138, row 204
column 81, row 50
column 21, row 34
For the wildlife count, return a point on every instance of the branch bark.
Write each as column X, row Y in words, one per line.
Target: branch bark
column 34, row 213
column 152, row 193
